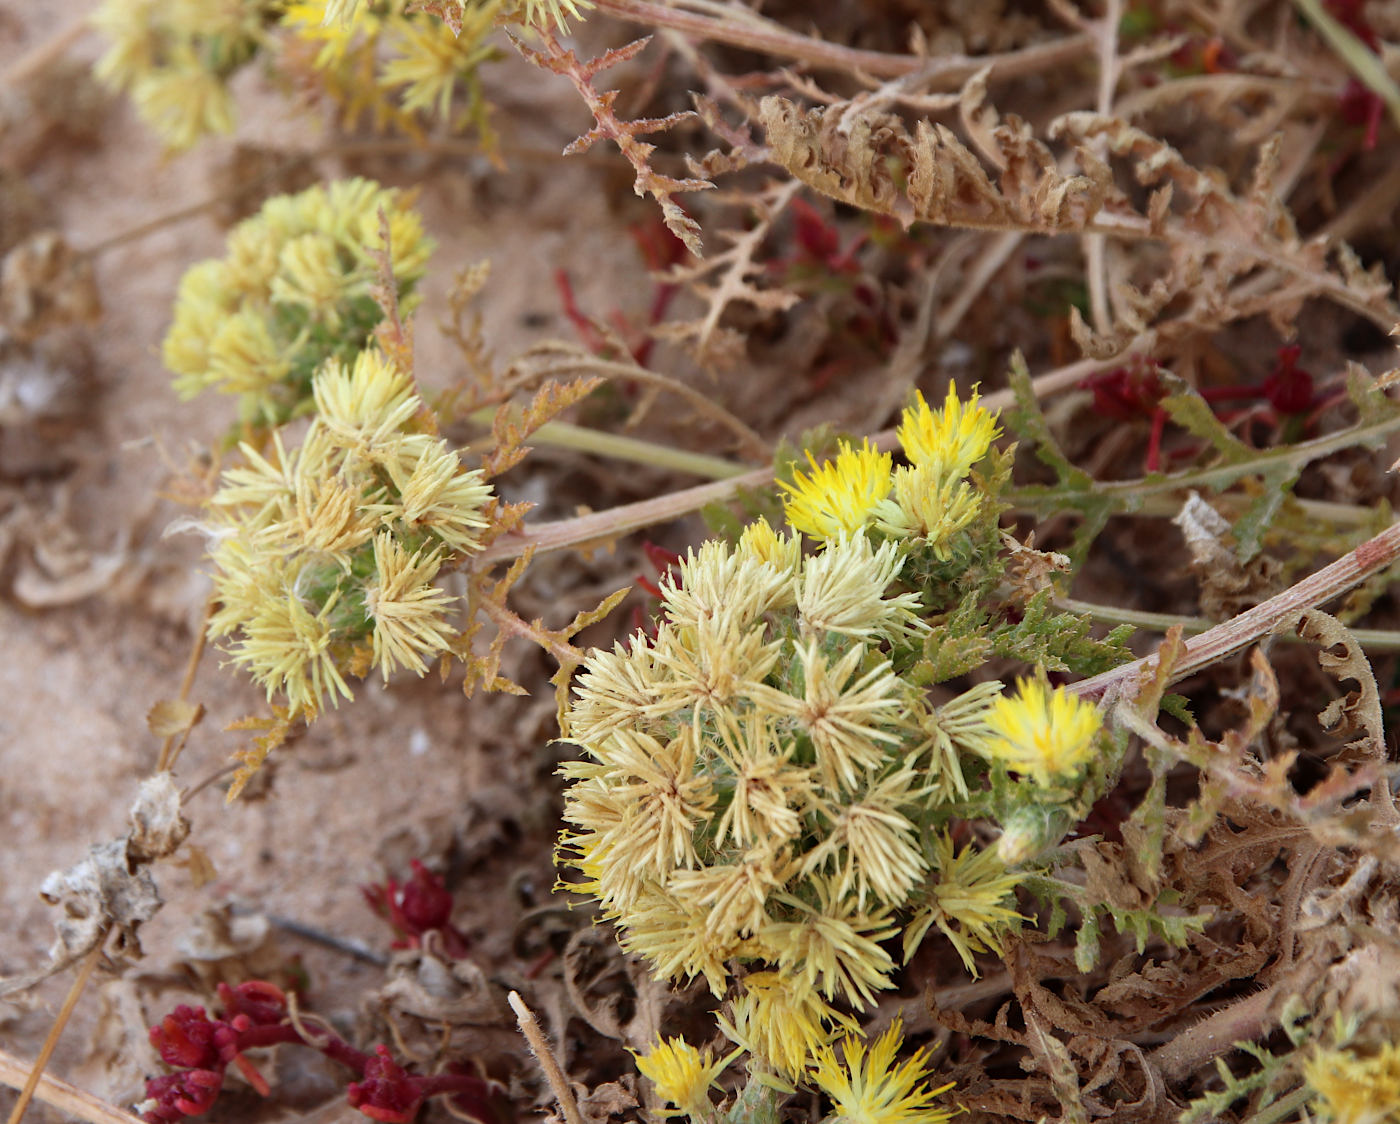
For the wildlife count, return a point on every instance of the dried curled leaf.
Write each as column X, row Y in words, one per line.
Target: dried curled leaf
column 46, row 284
column 111, row 890
column 1228, row 586
column 870, row 161
column 1358, row 711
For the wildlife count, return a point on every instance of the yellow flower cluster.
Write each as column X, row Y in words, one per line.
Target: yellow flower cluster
column 175, row 58
column 929, row 499
column 538, row 13
column 326, row 553
column 1352, row 1088
column 363, row 55
column 759, row 781
column 1043, row 733
column 293, row 291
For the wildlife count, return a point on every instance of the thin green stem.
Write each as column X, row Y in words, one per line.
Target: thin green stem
column 1341, row 515
column 1275, row 614
column 1360, row 59
column 1282, row 1108
column 564, row 435
column 1372, row 639
column 1129, row 492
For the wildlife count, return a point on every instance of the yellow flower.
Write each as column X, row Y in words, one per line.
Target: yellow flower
column 950, row 440
column 183, row 103
column 292, row 291
column 715, row 584
column 1351, row 1089
column 365, row 404
column 782, row 1021
column 848, row 713
column 666, row 798
column 310, row 274
column 682, row 1074
column 672, row 935
column 286, row 647
column 244, row 357
column 873, row 842
column 782, row 552
column 176, row 58
column 840, row 496
column 1046, row 734
column 834, row 946
column 430, row 58
column 867, row 1087
column 133, row 28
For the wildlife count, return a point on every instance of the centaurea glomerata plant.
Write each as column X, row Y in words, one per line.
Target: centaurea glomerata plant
column 768, row 796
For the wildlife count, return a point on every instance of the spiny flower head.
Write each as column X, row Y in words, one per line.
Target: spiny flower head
column 682, row 1074
column 971, row 901
column 839, row 496
column 842, row 590
column 397, row 60
column 323, row 566
column 948, row 441
column 958, row 726
column 866, row 1085
column 293, row 291
column 782, row 1024
column 1355, row 1088
column 539, row 13
column 1044, row 733
column 927, row 506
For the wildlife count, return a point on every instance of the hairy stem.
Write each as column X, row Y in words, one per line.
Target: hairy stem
column 539, row 1046
column 1243, row 1021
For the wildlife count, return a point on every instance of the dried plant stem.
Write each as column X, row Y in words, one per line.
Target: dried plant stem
column 67, row 1098
column 1239, row 632
column 767, row 37
column 601, row 526
column 1372, row 639
column 1096, row 245
column 174, row 743
column 991, row 257
column 539, row 1046
column 70, row 1001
